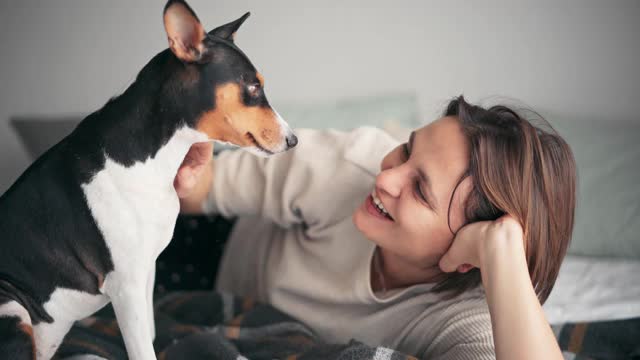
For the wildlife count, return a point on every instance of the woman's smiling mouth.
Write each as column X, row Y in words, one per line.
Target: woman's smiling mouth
column 376, row 208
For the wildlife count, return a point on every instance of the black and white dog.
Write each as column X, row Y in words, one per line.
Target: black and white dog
column 84, row 224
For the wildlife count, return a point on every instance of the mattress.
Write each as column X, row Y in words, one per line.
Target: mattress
column 595, row 289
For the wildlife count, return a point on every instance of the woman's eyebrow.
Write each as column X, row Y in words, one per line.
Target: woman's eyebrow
column 424, row 177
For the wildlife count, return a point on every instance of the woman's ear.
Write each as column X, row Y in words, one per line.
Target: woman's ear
column 184, row 31
column 464, row 268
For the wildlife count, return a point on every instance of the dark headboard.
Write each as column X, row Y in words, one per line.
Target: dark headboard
column 39, row 134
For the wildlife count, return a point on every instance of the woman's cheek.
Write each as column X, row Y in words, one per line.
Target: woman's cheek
column 429, row 232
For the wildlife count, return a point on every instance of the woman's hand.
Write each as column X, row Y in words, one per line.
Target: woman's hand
column 475, row 240
column 193, row 179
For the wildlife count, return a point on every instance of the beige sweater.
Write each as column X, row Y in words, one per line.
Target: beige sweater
column 295, row 247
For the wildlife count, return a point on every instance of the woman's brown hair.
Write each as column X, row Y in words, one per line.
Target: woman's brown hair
column 524, row 170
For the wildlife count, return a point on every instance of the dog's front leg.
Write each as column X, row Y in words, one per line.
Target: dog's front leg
column 129, row 298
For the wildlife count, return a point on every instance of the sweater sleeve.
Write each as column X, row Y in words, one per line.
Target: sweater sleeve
column 466, row 336
column 309, row 184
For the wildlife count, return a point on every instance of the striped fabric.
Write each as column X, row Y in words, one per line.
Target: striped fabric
column 208, row 325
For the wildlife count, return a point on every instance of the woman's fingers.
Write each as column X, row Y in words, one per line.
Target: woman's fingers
column 184, row 181
column 474, row 241
column 454, row 257
column 199, row 154
column 448, row 263
column 463, row 254
column 192, row 167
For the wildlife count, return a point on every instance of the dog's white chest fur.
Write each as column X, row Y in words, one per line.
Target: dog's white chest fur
column 135, row 207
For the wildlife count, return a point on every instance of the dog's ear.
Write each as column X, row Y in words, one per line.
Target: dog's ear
column 228, row 31
column 184, row 31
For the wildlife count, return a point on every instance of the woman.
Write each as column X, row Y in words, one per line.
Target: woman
column 478, row 197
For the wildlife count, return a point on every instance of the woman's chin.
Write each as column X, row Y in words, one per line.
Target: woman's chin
column 365, row 224
column 357, row 218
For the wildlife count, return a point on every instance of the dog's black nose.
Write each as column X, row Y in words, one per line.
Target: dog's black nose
column 292, row 141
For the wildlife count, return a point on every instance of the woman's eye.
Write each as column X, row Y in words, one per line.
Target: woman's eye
column 421, row 196
column 419, row 191
column 405, row 150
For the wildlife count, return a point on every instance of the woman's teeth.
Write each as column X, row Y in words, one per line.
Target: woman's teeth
column 378, row 204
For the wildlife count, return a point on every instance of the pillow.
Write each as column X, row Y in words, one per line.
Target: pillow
column 350, row 113
column 607, row 155
column 39, row 134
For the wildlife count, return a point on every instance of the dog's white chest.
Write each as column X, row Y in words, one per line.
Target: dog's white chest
column 66, row 305
column 135, row 207
column 135, row 215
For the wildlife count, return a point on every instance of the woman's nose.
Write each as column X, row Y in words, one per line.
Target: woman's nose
column 392, row 179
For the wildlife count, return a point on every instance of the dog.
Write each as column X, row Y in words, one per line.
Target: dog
column 84, row 224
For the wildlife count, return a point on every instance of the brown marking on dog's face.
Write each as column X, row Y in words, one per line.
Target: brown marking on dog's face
column 216, row 85
column 28, row 329
column 260, row 79
column 234, row 122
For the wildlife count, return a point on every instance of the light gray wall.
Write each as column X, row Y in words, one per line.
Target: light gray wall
column 576, row 59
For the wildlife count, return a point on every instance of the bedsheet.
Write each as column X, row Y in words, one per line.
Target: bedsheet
column 595, row 289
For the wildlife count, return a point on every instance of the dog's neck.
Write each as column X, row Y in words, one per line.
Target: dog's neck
column 159, row 171
column 169, row 157
column 136, row 131
column 137, row 153
column 134, row 126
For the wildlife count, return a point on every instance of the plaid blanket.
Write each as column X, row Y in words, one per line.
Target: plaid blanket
column 209, row 325
column 600, row 340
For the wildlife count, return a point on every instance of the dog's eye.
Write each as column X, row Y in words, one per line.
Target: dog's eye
column 253, row 90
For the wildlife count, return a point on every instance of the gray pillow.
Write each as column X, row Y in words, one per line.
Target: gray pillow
column 39, row 134
column 608, row 211
column 350, row 113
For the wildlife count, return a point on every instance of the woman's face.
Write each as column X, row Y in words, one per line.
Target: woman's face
column 414, row 188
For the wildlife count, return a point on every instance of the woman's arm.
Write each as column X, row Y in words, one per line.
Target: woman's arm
column 284, row 188
column 520, row 328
